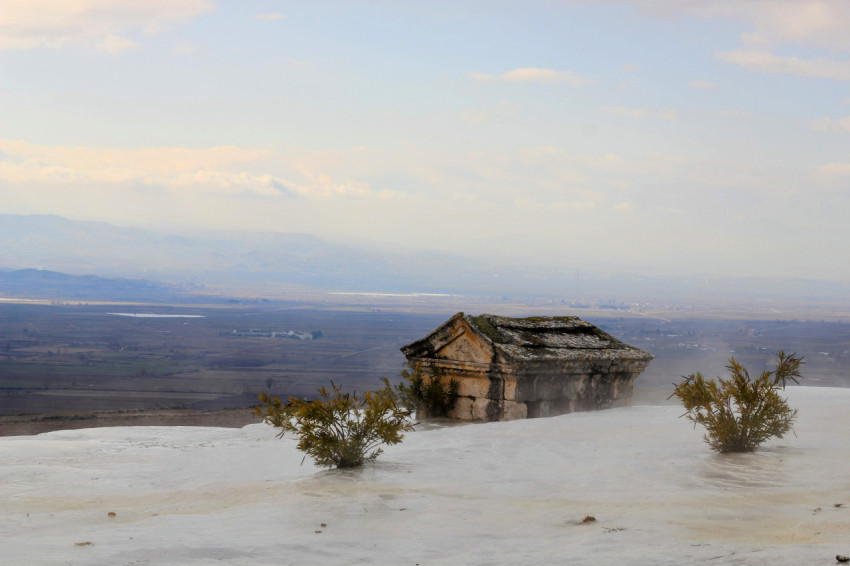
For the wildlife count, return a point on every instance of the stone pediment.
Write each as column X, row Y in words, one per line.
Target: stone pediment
column 467, row 347
column 454, row 340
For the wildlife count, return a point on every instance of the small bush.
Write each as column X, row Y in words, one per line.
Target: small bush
column 338, row 430
column 740, row 413
column 432, row 396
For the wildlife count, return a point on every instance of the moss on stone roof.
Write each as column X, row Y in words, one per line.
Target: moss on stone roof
column 547, row 336
column 483, row 325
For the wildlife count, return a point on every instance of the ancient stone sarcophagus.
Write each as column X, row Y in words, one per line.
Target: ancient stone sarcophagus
column 516, row 368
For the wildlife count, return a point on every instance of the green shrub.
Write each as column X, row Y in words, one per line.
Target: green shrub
column 432, row 396
column 740, row 413
column 338, row 430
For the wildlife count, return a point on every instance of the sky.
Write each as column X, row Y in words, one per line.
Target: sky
column 677, row 136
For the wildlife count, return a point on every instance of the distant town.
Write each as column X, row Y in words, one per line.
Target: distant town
column 282, row 335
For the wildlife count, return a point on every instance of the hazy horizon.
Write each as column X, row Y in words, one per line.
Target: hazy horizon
column 307, row 266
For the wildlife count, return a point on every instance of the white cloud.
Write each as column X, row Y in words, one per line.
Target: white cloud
column 185, row 47
column 668, row 114
column 831, row 124
column 704, row 85
column 633, row 112
column 115, row 45
column 241, row 183
column 474, row 116
column 271, row 17
column 462, row 196
column 820, row 24
column 835, row 170
column 536, row 75
column 220, row 170
column 734, row 113
column 578, row 206
column 102, row 24
column 224, row 171
column 767, row 62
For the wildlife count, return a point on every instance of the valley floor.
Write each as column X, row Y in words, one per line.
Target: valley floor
column 18, row 425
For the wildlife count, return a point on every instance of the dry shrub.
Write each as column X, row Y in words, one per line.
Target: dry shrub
column 740, row 413
column 430, row 396
column 338, row 430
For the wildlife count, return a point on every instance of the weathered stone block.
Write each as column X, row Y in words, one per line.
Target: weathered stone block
column 491, row 410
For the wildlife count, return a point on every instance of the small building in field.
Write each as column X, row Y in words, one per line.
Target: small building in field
column 516, row 368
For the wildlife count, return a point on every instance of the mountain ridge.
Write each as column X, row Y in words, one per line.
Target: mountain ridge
column 243, row 262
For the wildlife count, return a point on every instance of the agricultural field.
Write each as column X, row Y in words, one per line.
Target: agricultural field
column 61, row 358
column 57, row 358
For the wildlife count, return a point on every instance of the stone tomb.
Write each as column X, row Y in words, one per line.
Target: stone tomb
column 516, row 368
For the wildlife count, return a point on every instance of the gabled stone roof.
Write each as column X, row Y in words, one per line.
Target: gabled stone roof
column 536, row 338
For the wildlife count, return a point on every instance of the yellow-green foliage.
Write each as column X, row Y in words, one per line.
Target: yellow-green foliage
column 338, row 430
column 740, row 413
column 431, row 395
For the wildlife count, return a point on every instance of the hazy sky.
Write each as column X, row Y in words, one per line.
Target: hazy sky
column 682, row 135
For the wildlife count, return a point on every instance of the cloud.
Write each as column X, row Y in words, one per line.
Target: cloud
column 115, row 45
column 185, row 47
column 831, row 124
column 221, row 170
column 535, row 75
column 633, row 112
column 102, row 24
column 228, row 171
column 474, row 116
column 271, row 17
column 790, row 24
column 819, row 23
column 668, row 114
column 705, row 85
column 734, row 113
column 835, row 170
column 767, row 62
column 241, row 183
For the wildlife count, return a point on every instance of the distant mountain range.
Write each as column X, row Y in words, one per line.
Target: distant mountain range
column 151, row 263
column 39, row 283
column 233, row 260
